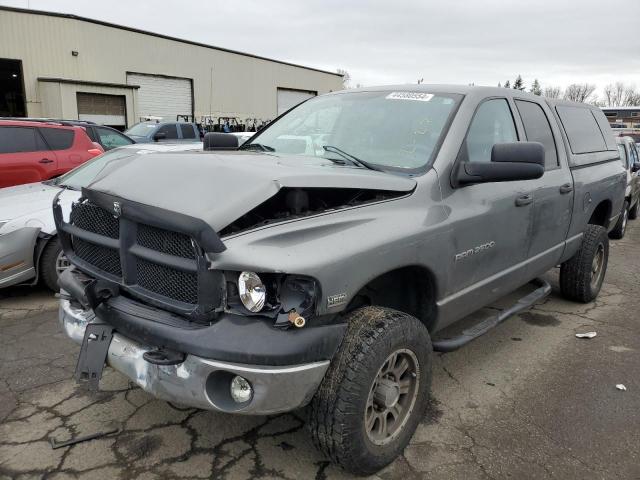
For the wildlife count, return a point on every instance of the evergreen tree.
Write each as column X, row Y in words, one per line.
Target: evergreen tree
column 518, row 84
column 507, row 84
column 499, row 85
column 535, row 88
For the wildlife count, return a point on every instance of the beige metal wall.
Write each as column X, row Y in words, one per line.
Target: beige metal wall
column 224, row 83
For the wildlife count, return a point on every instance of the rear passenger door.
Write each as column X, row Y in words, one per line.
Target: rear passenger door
column 24, row 157
column 60, row 140
column 553, row 192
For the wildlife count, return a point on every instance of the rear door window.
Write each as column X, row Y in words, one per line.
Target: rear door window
column 58, row 138
column 491, row 124
column 20, row 139
column 538, row 129
column 187, row 130
column 582, row 129
column 170, row 130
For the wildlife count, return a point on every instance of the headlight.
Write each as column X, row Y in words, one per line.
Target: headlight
column 252, row 291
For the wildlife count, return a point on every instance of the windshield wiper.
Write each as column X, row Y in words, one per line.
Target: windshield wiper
column 264, row 148
column 354, row 160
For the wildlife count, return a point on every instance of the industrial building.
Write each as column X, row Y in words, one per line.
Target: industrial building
column 64, row 66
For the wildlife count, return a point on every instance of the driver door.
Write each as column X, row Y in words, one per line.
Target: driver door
column 491, row 222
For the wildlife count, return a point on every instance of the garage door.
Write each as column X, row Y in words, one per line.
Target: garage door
column 161, row 96
column 288, row 98
column 102, row 109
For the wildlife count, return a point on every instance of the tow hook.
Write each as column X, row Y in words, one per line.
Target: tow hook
column 297, row 320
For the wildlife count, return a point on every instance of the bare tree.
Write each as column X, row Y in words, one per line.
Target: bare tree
column 620, row 95
column 552, row 92
column 346, row 78
column 579, row 92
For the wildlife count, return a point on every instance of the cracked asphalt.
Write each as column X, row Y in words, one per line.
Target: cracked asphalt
column 527, row 400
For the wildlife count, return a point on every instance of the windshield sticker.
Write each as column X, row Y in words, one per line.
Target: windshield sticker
column 416, row 96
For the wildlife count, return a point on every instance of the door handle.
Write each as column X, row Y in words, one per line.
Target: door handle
column 45, row 160
column 523, row 200
column 566, row 188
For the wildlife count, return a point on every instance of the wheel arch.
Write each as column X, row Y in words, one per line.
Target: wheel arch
column 601, row 215
column 410, row 289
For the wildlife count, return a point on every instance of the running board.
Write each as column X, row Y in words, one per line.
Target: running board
column 451, row 344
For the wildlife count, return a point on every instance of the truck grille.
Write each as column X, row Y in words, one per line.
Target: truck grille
column 106, row 259
column 167, row 281
column 145, row 270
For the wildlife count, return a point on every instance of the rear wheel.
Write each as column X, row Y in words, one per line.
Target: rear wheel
column 52, row 263
column 375, row 392
column 582, row 275
column 621, row 226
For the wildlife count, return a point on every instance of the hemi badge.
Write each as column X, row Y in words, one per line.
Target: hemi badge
column 335, row 300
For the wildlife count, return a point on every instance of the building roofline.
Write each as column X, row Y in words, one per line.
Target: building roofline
column 158, row 35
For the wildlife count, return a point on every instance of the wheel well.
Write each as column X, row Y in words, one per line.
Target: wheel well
column 602, row 214
column 410, row 289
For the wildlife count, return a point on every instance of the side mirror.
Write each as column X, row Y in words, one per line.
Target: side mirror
column 160, row 136
column 635, row 167
column 220, row 141
column 509, row 162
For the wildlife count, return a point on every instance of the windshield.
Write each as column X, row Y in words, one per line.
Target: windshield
column 397, row 130
column 82, row 176
column 141, row 129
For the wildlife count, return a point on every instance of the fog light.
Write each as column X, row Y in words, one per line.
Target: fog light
column 241, row 390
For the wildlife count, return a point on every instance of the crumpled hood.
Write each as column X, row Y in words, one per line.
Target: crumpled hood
column 26, row 199
column 220, row 187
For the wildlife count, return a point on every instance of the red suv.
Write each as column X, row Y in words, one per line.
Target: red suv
column 36, row 151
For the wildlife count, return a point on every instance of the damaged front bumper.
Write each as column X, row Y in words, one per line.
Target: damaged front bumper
column 200, row 382
column 283, row 367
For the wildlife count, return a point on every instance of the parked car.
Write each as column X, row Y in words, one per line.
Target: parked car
column 36, row 151
column 107, row 137
column 263, row 280
column 29, row 246
column 148, row 132
column 631, row 162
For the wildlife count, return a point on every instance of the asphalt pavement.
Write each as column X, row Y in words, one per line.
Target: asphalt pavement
column 527, row 400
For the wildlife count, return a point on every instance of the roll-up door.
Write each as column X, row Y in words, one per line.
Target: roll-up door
column 164, row 97
column 288, row 98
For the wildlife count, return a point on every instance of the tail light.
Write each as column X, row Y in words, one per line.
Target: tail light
column 94, row 152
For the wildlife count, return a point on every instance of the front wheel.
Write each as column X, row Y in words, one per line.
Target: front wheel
column 582, row 275
column 52, row 263
column 375, row 391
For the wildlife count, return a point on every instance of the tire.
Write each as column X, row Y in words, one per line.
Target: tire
column 621, row 226
column 633, row 213
column 49, row 264
column 345, row 401
column 577, row 280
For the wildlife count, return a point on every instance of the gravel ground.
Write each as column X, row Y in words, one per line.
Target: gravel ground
column 527, row 400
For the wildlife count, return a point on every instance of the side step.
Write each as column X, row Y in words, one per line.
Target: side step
column 451, row 344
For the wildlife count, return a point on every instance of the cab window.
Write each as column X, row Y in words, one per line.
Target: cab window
column 111, row 139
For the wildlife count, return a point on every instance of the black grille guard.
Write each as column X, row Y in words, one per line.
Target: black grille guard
column 130, row 213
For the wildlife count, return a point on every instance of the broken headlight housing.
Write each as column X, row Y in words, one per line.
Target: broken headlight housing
column 271, row 295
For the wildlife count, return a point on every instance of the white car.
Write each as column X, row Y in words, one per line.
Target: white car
column 29, row 248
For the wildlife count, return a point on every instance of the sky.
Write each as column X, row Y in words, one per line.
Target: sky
column 390, row 42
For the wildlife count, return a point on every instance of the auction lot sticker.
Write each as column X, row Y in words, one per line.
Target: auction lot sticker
column 417, row 96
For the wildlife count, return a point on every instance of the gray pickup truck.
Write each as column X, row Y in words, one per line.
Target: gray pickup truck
column 317, row 264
